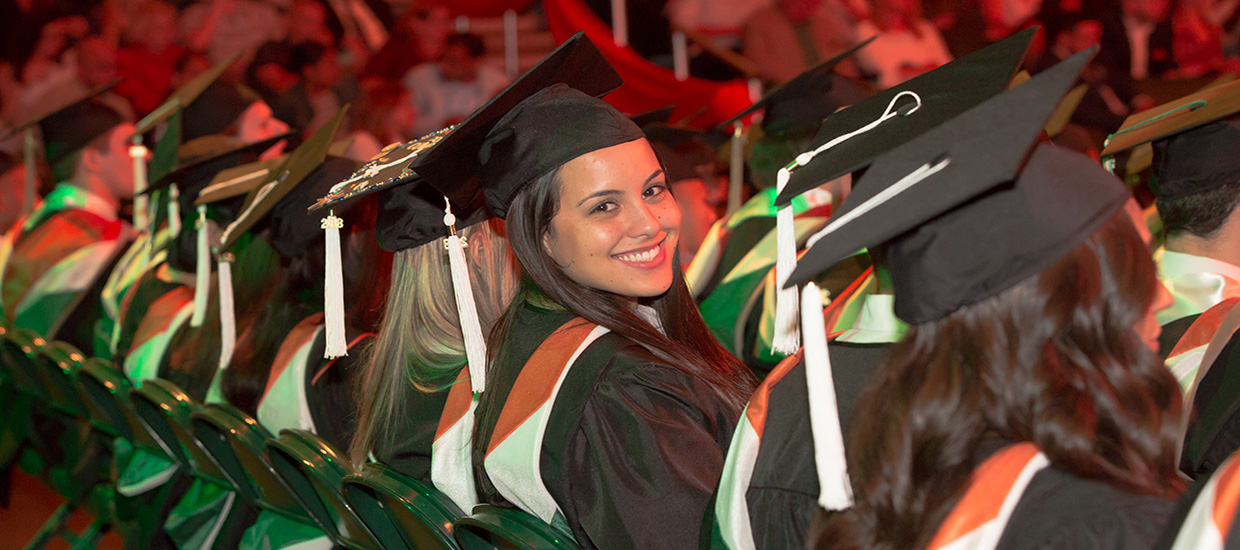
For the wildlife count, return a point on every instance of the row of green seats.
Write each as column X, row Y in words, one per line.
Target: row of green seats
column 296, row 475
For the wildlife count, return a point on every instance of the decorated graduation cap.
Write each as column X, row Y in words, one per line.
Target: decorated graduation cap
column 859, row 133
column 1196, row 140
column 967, row 210
column 807, row 98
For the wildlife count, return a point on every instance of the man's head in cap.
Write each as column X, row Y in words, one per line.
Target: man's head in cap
column 87, row 145
column 1195, row 172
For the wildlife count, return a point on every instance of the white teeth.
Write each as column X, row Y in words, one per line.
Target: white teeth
column 640, row 257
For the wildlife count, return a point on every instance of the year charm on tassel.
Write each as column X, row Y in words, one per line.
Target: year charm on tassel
column 333, row 289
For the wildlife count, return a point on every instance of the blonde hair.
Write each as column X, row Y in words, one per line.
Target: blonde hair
column 419, row 346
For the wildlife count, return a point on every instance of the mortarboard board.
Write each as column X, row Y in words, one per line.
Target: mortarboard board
column 239, row 180
column 944, row 92
column 199, row 161
column 662, row 115
column 184, row 96
column 966, row 210
column 489, row 147
column 681, row 150
column 449, row 157
column 802, row 102
column 217, row 108
column 296, row 167
column 1195, row 141
column 69, row 127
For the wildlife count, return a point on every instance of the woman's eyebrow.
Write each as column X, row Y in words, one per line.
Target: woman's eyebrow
column 611, row 192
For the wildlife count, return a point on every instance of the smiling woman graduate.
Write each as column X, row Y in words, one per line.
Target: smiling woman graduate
column 608, row 404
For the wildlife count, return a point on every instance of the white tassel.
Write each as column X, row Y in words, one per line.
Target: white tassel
column 138, row 152
column 787, row 338
column 835, row 489
column 174, row 210
column 228, row 321
column 333, row 291
column 736, row 169
column 467, row 310
column 202, row 270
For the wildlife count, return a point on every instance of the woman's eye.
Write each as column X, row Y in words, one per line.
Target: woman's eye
column 603, row 207
column 654, row 191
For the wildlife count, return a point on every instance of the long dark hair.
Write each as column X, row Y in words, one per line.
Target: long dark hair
column 1054, row 361
column 297, row 294
column 688, row 345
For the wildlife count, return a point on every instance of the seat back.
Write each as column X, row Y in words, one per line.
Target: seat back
column 165, row 409
column 236, row 442
column 19, row 349
column 401, row 511
column 490, row 527
column 56, row 367
column 312, row 470
column 102, row 389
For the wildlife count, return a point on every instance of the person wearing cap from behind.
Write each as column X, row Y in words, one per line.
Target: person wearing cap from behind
column 438, row 309
column 1195, row 177
column 602, row 365
column 53, row 260
column 770, row 489
column 1028, row 376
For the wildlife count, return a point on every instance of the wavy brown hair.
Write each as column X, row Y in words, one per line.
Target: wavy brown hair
column 1054, row 361
column 688, row 344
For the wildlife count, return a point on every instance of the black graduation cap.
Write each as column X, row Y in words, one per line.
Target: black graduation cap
column 449, row 157
column 802, row 103
column 216, row 109
column 69, row 127
column 184, row 96
column 199, row 160
column 534, row 125
column 239, row 180
column 682, row 150
column 292, row 230
column 662, row 115
column 296, row 167
column 1196, row 141
column 945, row 92
column 984, row 214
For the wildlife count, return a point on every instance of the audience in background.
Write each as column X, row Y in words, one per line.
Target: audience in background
column 446, row 90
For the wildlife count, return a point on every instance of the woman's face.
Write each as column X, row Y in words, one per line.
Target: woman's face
column 617, row 227
column 1149, row 328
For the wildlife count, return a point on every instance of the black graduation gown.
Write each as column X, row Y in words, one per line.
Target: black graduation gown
column 783, row 492
column 1062, row 511
column 329, row 390
column 1214, row 428
column 634, row 448
column 413, row 433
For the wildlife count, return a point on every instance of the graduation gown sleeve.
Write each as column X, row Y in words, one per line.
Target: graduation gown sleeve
column 639, row 465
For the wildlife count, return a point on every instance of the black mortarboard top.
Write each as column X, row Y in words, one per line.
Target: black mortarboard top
column 802, row 102
column 1196, row 141
column 184, row 96
column 56, row 110
column 993, row 214
column 200, row 160
column 299, row 164
column 217, row 108
column 450, row 156
column 239, row 180
column 502, row 148
column 68, row 128
column 945, row 92
column 681, row 150
column 662, row 115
